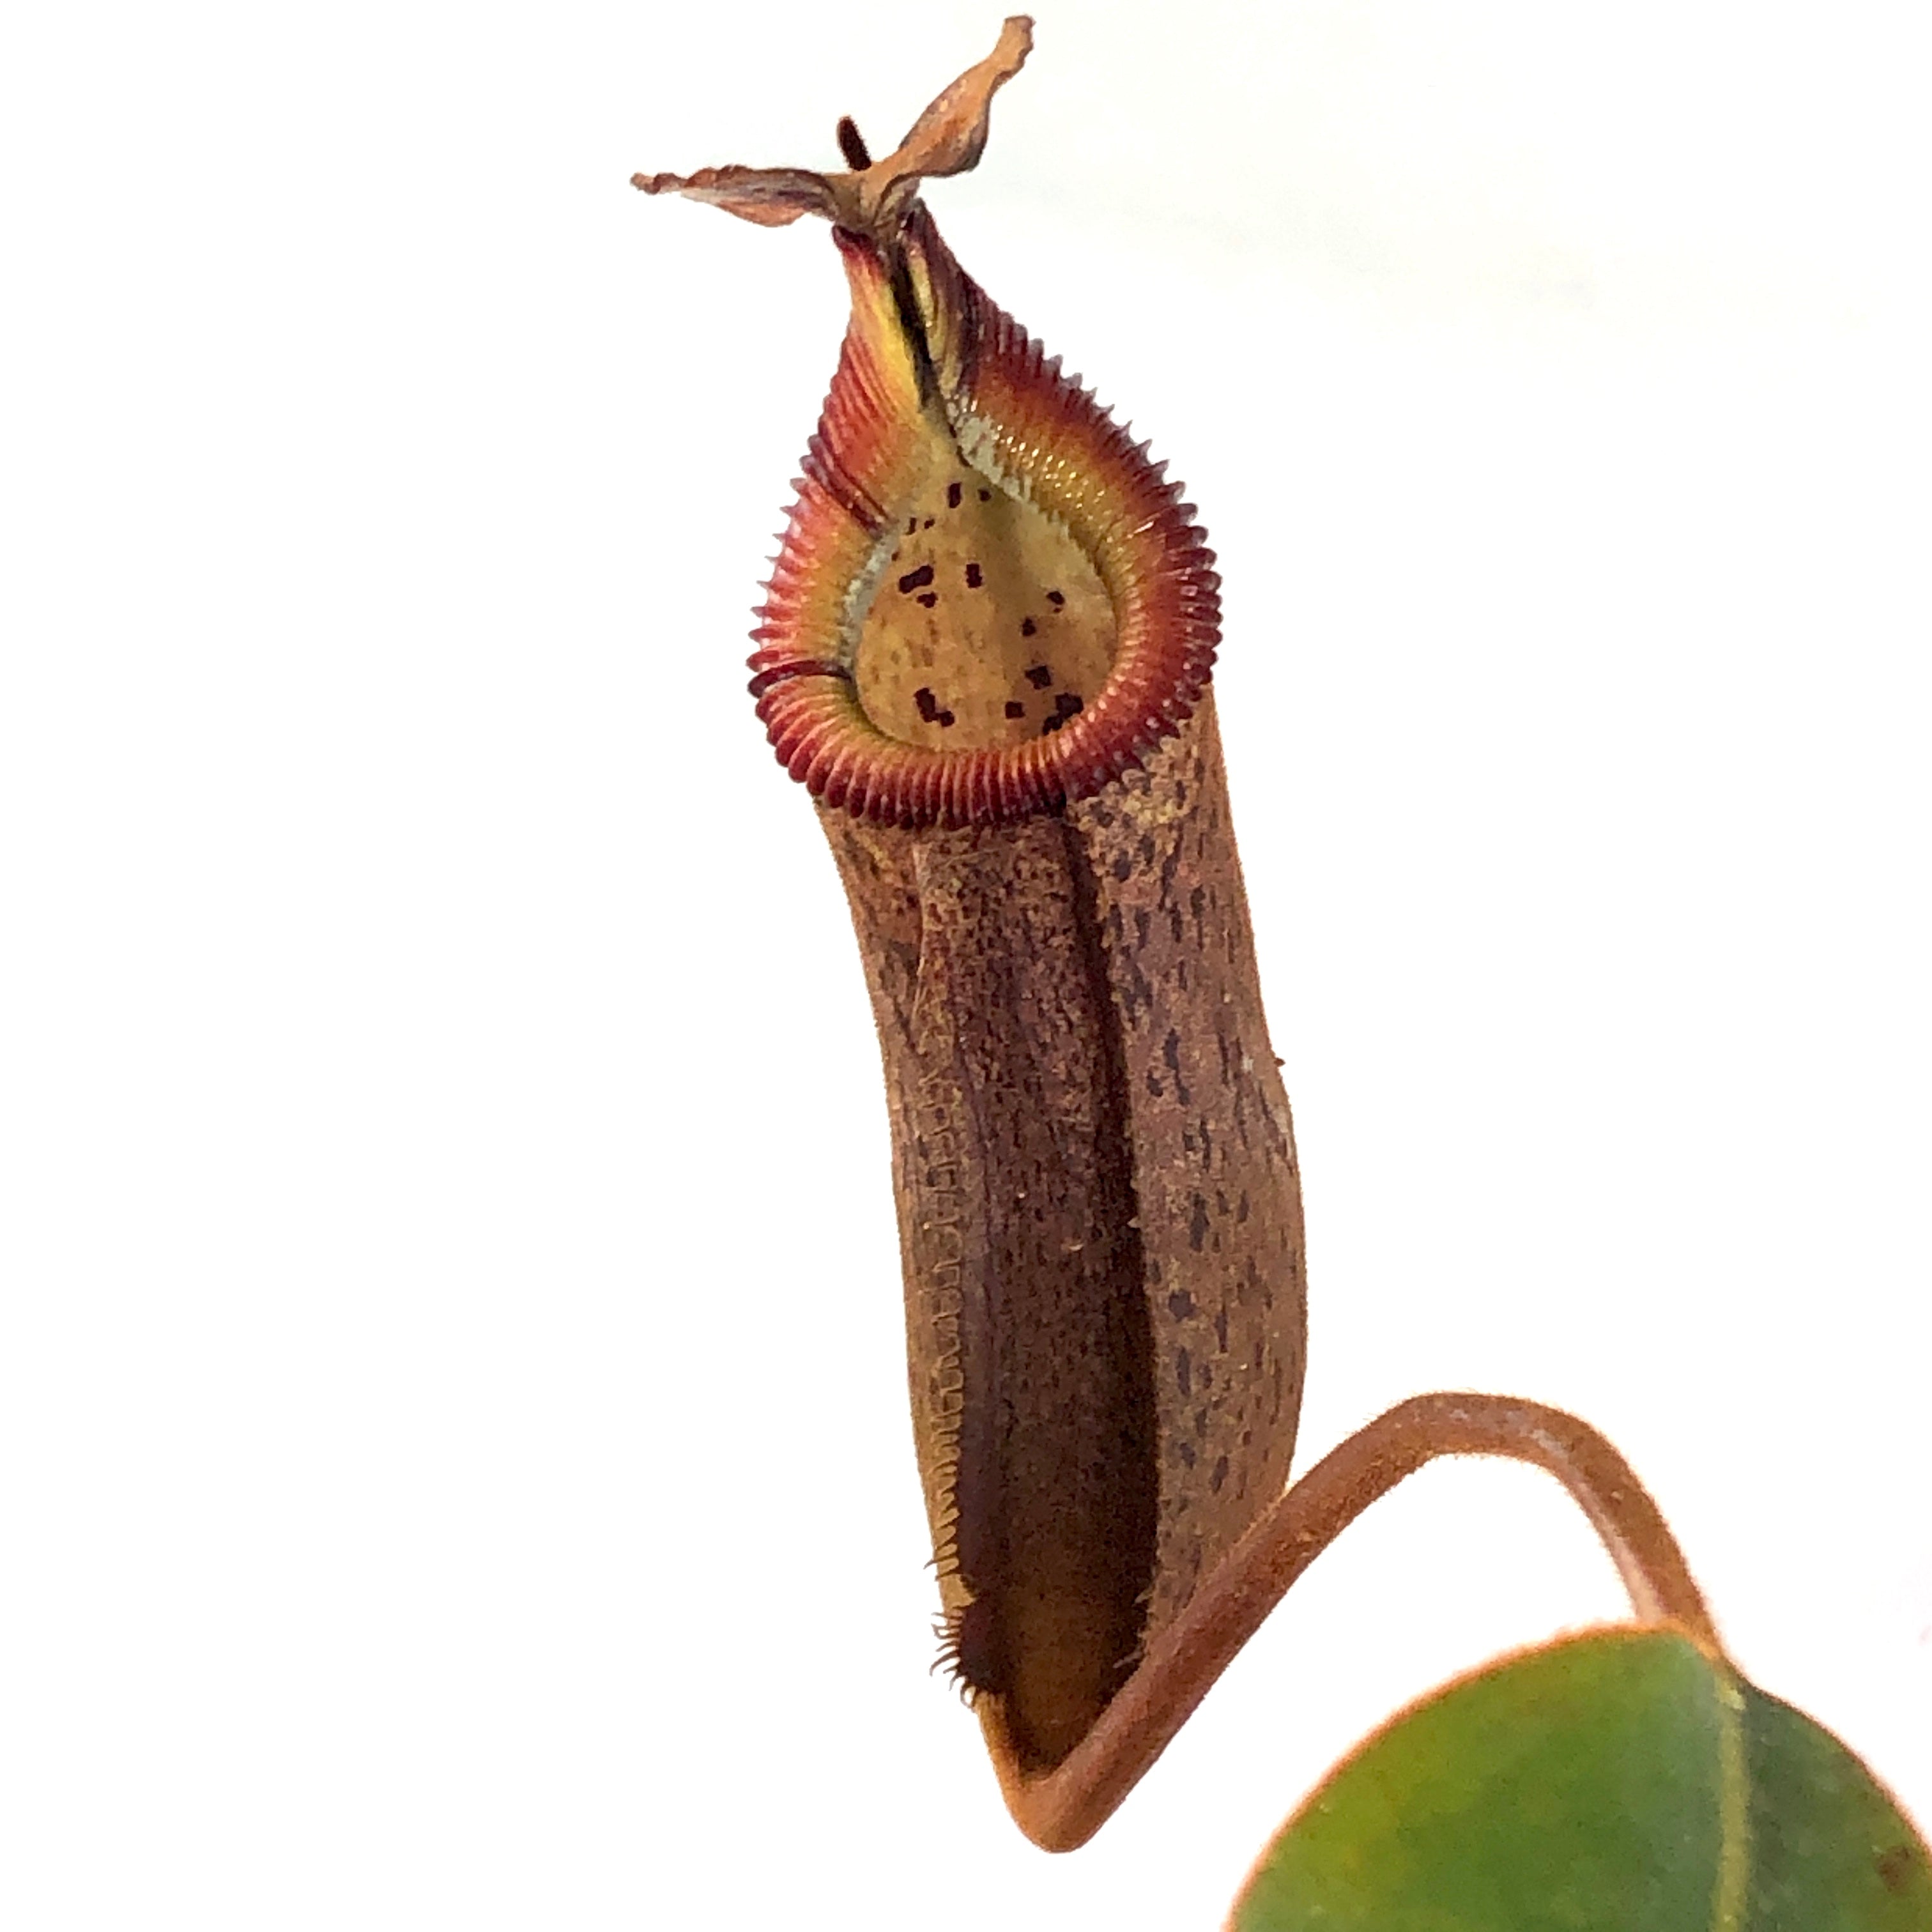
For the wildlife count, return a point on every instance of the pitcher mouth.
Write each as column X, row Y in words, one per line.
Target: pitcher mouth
column 896, row 678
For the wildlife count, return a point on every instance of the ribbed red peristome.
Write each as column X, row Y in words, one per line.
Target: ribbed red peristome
column 1019, row 417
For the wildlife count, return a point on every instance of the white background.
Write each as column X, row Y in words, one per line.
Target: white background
column 453, row 1469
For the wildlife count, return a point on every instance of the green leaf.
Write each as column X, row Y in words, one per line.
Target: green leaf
column 1619, row 1782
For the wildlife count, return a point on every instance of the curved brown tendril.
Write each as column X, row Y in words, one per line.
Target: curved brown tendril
column 1064, row 1807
